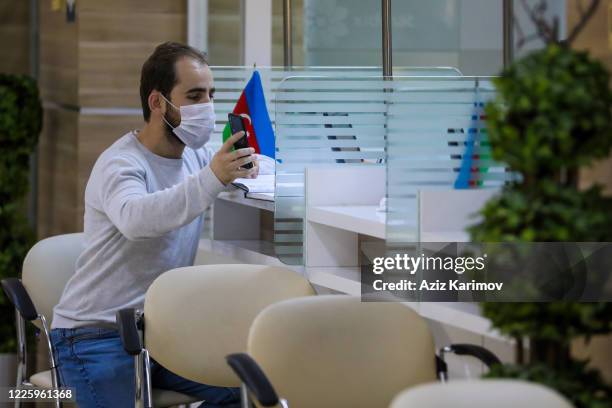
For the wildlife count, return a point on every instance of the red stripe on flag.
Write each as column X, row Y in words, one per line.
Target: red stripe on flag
column 243, row 108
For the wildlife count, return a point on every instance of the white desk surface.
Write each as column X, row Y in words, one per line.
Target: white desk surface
column 444, row 236
column 366, row 220
column 463, row 315
column 361, row 219
column 262, row 196
column 341, row 279
column 238, row 197
column 247, row 251
column 347, row 280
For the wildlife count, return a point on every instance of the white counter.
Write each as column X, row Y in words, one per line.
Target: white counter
column 260, row 200
column 361, row 219
column 462, row 315
column 332, row 226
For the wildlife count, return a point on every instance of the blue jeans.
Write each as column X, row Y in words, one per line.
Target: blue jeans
column 93, row 361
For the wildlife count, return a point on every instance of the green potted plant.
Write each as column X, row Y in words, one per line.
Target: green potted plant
column 552, row 116
column 20, row 125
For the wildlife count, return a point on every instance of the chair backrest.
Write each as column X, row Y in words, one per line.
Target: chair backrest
column 196, row 316
column 46, row 270
column 481, row 394
column 335, row 351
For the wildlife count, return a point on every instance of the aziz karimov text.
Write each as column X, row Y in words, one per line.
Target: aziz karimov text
column 424, row 285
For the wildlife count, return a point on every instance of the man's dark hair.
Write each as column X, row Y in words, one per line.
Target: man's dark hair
column 159, row 71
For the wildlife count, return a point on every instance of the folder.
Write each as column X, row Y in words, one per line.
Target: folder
column 260, row 188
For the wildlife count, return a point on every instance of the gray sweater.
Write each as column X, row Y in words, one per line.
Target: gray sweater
column 143, row 216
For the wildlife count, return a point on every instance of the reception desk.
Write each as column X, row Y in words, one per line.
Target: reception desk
column 341, row 213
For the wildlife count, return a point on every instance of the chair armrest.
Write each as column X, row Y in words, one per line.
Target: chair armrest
column 441, row 368
column 18, row 296
column 254, row 378
column 481, row 353
column 127, row 323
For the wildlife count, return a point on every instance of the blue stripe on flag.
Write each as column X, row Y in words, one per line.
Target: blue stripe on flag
column 259, row 115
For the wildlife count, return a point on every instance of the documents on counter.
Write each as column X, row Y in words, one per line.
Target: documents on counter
column 260, row 188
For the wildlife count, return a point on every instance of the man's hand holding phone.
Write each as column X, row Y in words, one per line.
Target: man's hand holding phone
column 227, row 163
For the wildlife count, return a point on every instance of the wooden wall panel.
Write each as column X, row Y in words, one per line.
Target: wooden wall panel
column 595, row 36
column 115, row 38
column 57, row 151
column 131, row 6
column 57, row 187
column 58, row 56
column 15, row 37
column 597, row 350
column 599, row 173
column 110, row 73
column 94, row 62
column 596, row 39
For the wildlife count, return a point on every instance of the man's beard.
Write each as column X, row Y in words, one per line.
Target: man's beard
column 168, row 130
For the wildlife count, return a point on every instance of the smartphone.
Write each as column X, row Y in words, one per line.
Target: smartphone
column 236, row 125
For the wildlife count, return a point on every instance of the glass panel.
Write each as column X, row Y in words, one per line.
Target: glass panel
column 231, row 80
column 342, row 32
column 462, row 33
column 297, row 8
column 525, row 28
column 436, row 140
column 333, row 119
column 224, row 33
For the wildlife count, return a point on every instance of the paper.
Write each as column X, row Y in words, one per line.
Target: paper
column 264, row 183
column 260, row 196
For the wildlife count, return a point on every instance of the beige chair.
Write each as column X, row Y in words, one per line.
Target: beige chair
column 336, row 351
column 481, row 394
column 46, row 269
column 195, row 316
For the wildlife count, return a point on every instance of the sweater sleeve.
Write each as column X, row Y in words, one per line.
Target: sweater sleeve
column 138, row 214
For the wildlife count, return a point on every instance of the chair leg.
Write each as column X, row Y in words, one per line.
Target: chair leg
column 244, row 396
column 52, row 363
column 144, row 397
column 21, row 353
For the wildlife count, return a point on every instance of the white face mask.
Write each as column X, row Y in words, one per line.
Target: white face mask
column 197, row 123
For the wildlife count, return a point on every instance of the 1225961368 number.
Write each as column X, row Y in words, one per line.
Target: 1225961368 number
column 35, row 394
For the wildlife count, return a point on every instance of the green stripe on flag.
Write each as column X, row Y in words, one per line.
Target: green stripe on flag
column 227, row 133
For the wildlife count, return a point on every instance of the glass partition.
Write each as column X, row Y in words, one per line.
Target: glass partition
column 436, row 140
column 333, row 119
column 462, row 33
column 231, row 80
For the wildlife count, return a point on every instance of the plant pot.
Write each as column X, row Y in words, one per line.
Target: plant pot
column 8, row 369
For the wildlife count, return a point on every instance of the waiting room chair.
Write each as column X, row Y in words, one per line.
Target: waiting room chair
column 481, row 394
column 335, row 351
column 46, row 269
column 195, row 316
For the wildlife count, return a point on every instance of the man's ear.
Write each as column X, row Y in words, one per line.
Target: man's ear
column 156, row 103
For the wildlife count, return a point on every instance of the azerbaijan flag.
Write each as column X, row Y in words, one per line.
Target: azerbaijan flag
column 252, row 106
